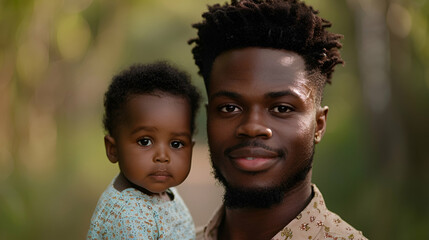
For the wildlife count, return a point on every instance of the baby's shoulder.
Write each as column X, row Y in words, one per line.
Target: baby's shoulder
column 126, row 203
column 124, row 214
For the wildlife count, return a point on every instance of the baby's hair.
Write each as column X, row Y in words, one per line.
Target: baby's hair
column 278, row 24
column 158, row 77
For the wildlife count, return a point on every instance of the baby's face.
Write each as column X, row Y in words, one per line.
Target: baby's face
column 154, row 141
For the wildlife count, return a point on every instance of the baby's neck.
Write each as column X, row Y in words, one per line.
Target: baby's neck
column 164, row 196
column 121, row 183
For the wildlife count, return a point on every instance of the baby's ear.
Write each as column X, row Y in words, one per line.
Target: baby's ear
column 111, row 150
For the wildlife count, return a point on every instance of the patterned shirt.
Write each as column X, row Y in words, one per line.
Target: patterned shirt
column 315, row 222
column 132, row 214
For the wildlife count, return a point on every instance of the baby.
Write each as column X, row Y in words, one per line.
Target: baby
column 150, row 120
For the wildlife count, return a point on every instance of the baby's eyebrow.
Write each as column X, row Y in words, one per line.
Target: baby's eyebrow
column 181, row 134
column 146, row 128
column 154, row 129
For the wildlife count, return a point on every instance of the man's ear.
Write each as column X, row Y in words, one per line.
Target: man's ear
column 321, row 118
column 111, row 150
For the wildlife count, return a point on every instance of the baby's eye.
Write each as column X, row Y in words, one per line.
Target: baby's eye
column 282, row 109
column 229, row 108
column 176, row 144
column 144, row 142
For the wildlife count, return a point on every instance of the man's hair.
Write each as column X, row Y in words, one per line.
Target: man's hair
column 278, row 24
column 159, row 77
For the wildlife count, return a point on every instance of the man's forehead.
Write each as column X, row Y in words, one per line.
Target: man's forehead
column 261, row 69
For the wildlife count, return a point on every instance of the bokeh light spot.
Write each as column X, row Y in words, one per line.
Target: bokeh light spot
column 32, row 61
column 73, row 36
column 399, row 20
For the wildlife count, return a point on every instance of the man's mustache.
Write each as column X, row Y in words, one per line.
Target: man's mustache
column 254, row 143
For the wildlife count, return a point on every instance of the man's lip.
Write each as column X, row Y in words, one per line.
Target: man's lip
column 253, row 159
column 252, row 152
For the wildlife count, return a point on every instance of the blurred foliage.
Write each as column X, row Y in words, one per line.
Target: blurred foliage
column 57, row 58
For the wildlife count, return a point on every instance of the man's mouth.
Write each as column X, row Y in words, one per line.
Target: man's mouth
column 253, row 159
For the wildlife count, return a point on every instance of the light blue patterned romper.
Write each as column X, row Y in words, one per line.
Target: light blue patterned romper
column 131, row 214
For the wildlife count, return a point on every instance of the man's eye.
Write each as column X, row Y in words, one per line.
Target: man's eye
column 282, row 109
column 144, row 142
column 176, row 144
column 229, row 108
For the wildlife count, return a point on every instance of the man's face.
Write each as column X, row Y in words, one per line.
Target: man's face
column 262, row 119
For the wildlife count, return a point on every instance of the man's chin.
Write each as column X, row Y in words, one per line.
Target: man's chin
column 252, row 197
column 258, row 197
column 249, row 197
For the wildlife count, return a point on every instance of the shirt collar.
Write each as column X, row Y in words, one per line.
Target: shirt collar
column 211, row 229
column 309, row 222
column 315, row 211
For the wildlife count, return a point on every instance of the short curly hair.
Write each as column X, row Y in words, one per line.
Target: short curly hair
column 278, row 24
column 147, row 79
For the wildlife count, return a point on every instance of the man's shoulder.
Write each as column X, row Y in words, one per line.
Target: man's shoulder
column 334, row 227
column 319, row 225
column 317, row 222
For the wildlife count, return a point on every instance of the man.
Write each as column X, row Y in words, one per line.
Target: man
column 265, row 64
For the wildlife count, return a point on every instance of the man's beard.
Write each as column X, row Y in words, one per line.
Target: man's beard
column 262, row 197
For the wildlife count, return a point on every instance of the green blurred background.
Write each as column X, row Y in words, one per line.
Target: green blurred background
column 57, row 58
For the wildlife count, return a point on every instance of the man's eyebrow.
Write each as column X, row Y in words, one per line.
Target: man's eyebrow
column 225, row 94
column 281, row 94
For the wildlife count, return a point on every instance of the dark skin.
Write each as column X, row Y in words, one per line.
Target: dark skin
column 153, row 145
column 262, row 96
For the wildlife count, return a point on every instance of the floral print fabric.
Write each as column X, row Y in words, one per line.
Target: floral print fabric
column 315, row 222
column 131, row 214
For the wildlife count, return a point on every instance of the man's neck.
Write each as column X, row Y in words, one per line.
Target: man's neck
column 255, row 224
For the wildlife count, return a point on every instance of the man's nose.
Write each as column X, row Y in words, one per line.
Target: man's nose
column 161, row 154
column 254, row 125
